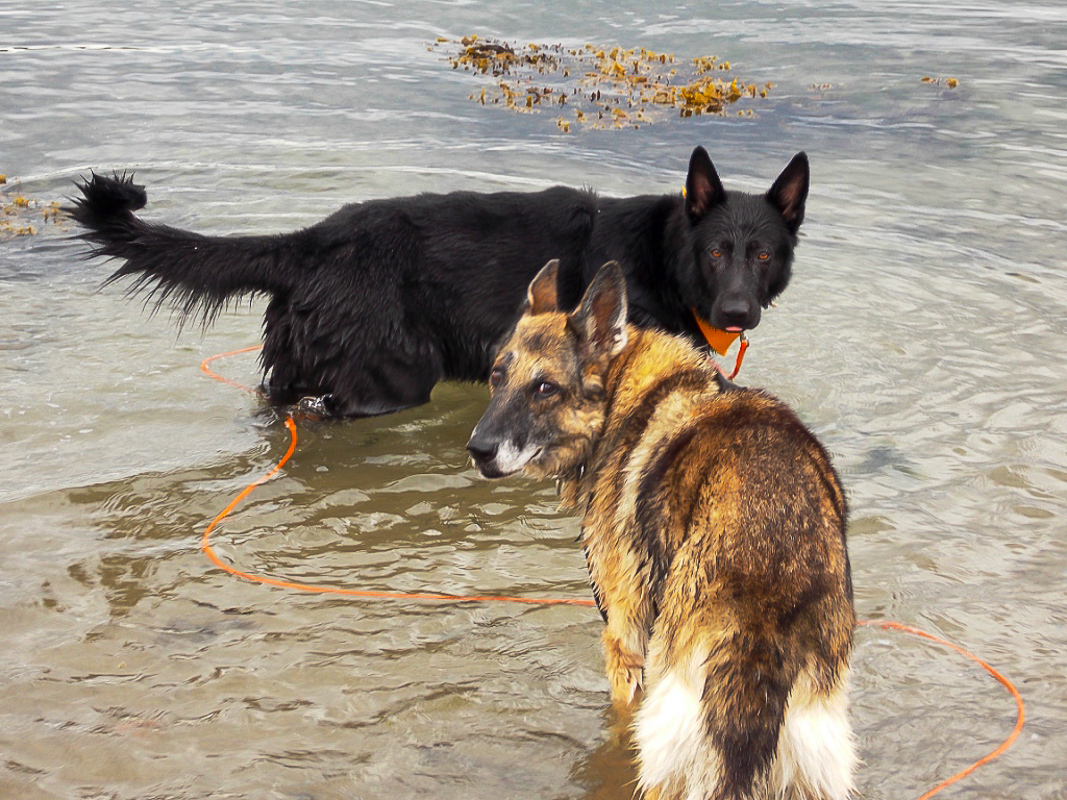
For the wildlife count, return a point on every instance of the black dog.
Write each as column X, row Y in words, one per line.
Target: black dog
column 377, row 303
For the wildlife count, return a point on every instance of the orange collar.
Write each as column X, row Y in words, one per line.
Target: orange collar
column 720, row 341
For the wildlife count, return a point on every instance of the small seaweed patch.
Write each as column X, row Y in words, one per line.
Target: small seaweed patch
column 951, row 83
column 18, row 213
column 599, row 87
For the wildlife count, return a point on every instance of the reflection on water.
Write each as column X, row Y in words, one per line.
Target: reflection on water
column 922, row 338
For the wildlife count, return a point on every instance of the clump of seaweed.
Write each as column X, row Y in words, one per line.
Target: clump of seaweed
column 18, row 213
column 951, row 83
column 599, row 87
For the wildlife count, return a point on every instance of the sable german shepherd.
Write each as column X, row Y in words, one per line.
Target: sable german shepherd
column 374, row 305
column 714, row 531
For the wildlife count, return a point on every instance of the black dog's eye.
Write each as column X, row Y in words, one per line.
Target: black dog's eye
column 763, row 255
column 496, row 376
column 546, row 389
column 716, row 252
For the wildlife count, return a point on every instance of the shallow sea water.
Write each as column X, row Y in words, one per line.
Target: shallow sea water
column 922, row 338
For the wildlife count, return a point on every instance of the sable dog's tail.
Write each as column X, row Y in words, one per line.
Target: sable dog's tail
column 195, row 274
column 743, row 722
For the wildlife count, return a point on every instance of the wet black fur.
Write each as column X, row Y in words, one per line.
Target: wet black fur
column 377, row 303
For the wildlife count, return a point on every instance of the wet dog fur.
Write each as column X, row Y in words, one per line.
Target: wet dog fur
column 374, row 305
column 714, row 530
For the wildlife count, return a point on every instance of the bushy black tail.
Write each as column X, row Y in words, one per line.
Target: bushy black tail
column 194, row 274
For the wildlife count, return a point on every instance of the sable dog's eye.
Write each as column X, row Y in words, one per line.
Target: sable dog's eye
column 496, row 376
column 546, row 389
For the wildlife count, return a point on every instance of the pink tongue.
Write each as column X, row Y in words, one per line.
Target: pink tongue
column 735, row 329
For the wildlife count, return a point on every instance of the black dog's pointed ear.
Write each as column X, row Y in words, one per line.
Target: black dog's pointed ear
column 600, row 320
column 703, row 189
column 790, row 190
column 542, row 295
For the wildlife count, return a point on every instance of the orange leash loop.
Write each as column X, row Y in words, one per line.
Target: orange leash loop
column 204, row 366
column 1020, row 709
column 307, row 587
column 304, row 587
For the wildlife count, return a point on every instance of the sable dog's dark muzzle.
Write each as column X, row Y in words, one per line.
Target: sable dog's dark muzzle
column 483, row 451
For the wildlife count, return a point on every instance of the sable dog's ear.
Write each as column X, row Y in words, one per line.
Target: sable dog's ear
column 600, row 320
column 790, row 190
column 703, row 189
column 542, row 294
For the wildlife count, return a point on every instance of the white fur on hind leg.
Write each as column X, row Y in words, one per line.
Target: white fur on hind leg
column 669, row 732
column 816, row 753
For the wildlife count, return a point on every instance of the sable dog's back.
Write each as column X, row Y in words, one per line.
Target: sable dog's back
column 714, row 529
column 684, row 469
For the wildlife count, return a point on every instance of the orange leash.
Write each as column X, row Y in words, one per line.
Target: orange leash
column 1020, row 709
column 306, row 587
column 204, row 366
column 740, row 357
column 570, row 601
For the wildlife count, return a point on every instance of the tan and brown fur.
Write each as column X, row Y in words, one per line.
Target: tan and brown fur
column 714, row 529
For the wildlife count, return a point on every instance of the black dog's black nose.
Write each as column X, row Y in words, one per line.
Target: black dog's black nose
column 736, row 314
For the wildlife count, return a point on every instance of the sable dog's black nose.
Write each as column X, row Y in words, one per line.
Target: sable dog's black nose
column 481, row 451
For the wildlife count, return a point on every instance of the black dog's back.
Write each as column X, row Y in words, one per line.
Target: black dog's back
column 410, row 291
column 374, row 305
